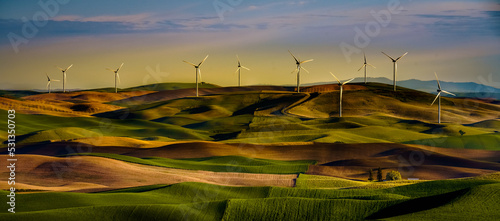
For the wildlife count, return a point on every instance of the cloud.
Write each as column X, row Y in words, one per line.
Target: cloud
column 252, row 7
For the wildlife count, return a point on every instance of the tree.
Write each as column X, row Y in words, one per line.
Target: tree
column 393, row 175
column 370, row 175
column 379, row 174
column 461, row 132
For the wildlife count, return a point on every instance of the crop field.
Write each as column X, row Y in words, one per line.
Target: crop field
column 422, row 200
column 156, row 152
column 217, row 164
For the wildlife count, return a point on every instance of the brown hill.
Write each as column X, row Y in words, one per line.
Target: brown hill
column 340, row 160
column 191, row 92
column 71, row 104
column 362, row 100
column 87, row 174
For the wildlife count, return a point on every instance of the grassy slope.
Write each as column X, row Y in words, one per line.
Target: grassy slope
column 483, row 141
column 316, row 181
column 155, row 87
column 218, row 164
column 37, row 128
column 450, row 199
column 169, row 86
column 242, row 117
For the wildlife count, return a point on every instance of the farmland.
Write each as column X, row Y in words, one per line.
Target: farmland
column 251, row 153
column 210, row 202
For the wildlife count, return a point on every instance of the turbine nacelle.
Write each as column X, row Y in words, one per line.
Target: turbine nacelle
column 394, row 60
column 115, row 71
column 49, row 81
column 64, row 70
column 438, row 97
column 298, row 68
column 395, row 67
column 198, row 71
column 339, row 82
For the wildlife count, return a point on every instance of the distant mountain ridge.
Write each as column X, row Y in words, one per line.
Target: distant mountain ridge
column 461, row 89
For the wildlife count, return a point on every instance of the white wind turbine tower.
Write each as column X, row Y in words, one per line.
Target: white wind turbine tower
column 341, row 85
column 239, row 71
column 438, row 96
column 64, row 76
column 198, row 72
column 365, row 65
column 117, row 77
column 395, row 67
column 299, row 67
column 48, row 83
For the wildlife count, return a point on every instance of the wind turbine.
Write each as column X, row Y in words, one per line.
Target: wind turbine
column 198, row 72
column 239, row 71
column 341, row 85
column 299, row 67
column 438, row 96
column 116, row 76
column 64, row 76
column 395, row 67
column 48, row 83
column 365, row 65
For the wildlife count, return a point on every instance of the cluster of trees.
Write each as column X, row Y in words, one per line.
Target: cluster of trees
column 392, row 175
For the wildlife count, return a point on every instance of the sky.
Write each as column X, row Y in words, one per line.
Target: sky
column 458, row 39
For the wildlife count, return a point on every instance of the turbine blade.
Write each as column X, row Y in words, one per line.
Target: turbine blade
column 304, row 69
column 238, row 59
column 109, row 69
column 54, row 80
column 401, row 56
column 119, row 67
column 364, row 55
column 48, row 83
column 245, row 68
column 439, row 94
column 237, row 70
column 335, row 78
column 437, row 79
column 118, row 77
column 47, row 76
column 69, row 67
column 448, row 93
column 371, row 65
column 302, row 62
column 203, row 60
column 199, row 73
column 348, row 81
column 59, row 68
column 388, row 56
column 296, row 60
column 296, row 69
column 190, row 63
column 362, row 67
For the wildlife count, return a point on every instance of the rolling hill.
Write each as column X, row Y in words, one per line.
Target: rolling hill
column 252, row 153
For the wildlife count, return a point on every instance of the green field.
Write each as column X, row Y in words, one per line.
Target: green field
column 266, row 117
column 217, row 164
column 481, row 142
column 221, row 125
column 375, row 117
column 473, row 198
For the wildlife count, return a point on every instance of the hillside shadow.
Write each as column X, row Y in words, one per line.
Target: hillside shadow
column 417, row 205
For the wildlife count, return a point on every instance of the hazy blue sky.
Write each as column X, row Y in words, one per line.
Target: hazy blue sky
column 458, row 39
